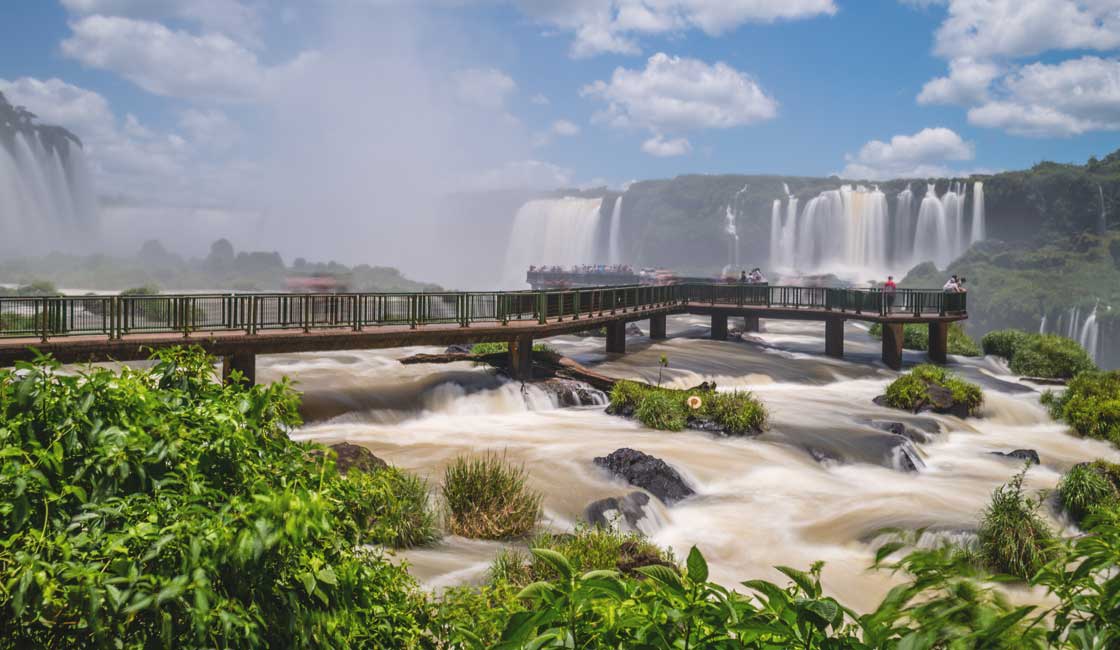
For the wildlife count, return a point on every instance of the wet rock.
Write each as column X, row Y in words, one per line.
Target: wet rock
column 647, row 472
column 705, row 387
column 572, row 393
column 940, row 401
column 622, row 513
column 458, row 348
column 904, row 456
column 632, row 329
column 348, row 456
column 1028, row 455
column 823, row 456
column 901, row 429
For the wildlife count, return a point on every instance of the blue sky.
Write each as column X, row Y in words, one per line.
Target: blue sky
column 207, row 103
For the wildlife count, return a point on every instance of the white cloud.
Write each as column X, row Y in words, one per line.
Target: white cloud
column 1068, row 98
column 540, row 99
column 613, row 26
column 662, row 148
column 488, row 88
column 922, row 154
column 233, row 17
column 1016, row 28
column 174, row 62
column 210, row 128
column 967, row 83
column 564, row 128
column 674, row 94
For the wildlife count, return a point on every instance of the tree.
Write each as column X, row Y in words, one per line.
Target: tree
column 221, row 255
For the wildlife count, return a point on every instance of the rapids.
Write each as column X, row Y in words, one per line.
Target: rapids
column 819, row 485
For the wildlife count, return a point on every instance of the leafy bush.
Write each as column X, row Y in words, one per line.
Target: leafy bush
column 911, row 391
column 1090, row 405
column 158, row 508
column 386, row 506
column 587, row 548
column 916, row 337
column 1004, row 343
column 1049, row 355
column 500, row 347
column 667, row 409
column 487, row 498
column 1013, row 537
column 1090, row 487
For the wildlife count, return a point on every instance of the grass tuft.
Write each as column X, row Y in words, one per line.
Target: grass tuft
column 488, row 498
column 1013, row 538
column 667, row 409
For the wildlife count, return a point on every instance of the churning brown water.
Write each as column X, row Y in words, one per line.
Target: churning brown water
column 817, row 486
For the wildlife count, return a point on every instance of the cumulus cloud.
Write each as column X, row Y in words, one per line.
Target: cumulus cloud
column 614, row 26
column 922, row 154
column 1016, row 28
column 1068, row 98
column 540, row 99
column 662, row 148
column 674, row 94
column 234, row 17
column 488, row 88
column 175, row 62
column 967, row 83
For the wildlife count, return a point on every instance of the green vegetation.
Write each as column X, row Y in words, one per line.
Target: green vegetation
column 914, row 391
column 33, row 288
column 502, row 346
column 1013, row 537
column 488, row 498
column 1089, row 488
column 1090, row 405
column 588, row 548
column 387, row 507
column 916, row 337
column 158, row 508
column 1038, row 355
column 667, row 409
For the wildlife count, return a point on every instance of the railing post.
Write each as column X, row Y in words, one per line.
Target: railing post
column 575, row 304
column 542, row 308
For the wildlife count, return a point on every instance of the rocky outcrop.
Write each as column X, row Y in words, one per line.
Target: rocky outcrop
column 901, row 429
column 621, row 513
column 647, row 472
column 348, row 456
column 939, row 400
column 567, row 392
column 1028, row 455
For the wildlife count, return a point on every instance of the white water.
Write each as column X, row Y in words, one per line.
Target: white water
column 1102, row 221
column 761, row 502
column 1074, row 324
column 731, row 229
column 615, row 235
column 561, row 232
column 852, row 233
column 46, row 197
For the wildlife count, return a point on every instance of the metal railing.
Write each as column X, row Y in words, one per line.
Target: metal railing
column 46, row 317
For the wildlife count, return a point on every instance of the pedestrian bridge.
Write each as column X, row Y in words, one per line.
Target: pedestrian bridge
column 237, row 327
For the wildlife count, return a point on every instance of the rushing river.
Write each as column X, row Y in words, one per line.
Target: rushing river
column 817, row 486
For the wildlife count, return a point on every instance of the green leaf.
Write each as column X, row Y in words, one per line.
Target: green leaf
column 534, row 590
column 802, row 579
column 326, row 575
column 663, row 575
column 555, row 560
column 697, row 566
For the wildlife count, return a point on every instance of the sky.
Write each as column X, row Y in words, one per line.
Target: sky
column 196, row 110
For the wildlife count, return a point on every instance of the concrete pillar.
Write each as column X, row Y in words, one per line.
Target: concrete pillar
column 834, row 337
column 521, row 358
column 719, row 327
column 244, row 362
column 657, row 326
column 616, row 337
column 751, row 324
column 939, row 342
column 892, row 345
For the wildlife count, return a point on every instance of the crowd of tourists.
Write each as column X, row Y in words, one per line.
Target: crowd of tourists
column 585, row 269
column 754, row 277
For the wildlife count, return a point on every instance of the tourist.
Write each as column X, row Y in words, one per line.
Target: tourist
column 889, row 289
column 743, row 277
column 960, row 285
column 952, row 285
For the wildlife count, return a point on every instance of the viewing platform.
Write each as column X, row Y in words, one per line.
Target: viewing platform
column 237, row 327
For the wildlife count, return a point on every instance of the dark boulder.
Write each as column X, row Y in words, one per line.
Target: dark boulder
column 348, row 456
column 632, row 329
column 572, row 393
column 1028, row 455
column 458, row 348
column 622, row 513
column 901, row 429
column 647, row 472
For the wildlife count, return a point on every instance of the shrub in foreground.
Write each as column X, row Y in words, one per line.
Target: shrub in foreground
column 914, row 391
column 1038, row 355
column 501, row 346
column 1089, row 488
column 386, row 506
column 488, row 498
column 158, row 508
column 587, row 548
column 1090, row 405
column 668, row 409
column 1013, row 537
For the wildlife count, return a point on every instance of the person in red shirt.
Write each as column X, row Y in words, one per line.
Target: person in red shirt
column 889, row 289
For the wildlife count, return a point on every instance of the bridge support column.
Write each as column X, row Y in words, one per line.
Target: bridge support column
column 939, row 342
column 521, row 358
column 616, row 337
column 657, row 326
column 245, row 362
column 892, row 345
column 834, row 337
column 751, row 324
column 719, row 327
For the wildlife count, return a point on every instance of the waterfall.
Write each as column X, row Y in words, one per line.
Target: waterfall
column 940, row 232
column 776, row 232
column 732, row 237
column 1085, row 331
column 615, row 241
column 46, row 197
column 1102, row 222
column 1042, row 325
column 903, row 227
column 840, row 231
column 1089, row 334
column 552, row 232
column 979, row 226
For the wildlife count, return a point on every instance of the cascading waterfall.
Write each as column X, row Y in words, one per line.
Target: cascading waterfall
column 1073, row 324
column 1089, row 335
column 552, row 232
column 614, row 242
column 46, row 197
column 731, row 229
column 1102, row 221
column 852, row 232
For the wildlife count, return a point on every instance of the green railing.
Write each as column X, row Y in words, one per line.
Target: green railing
column 117, row 316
